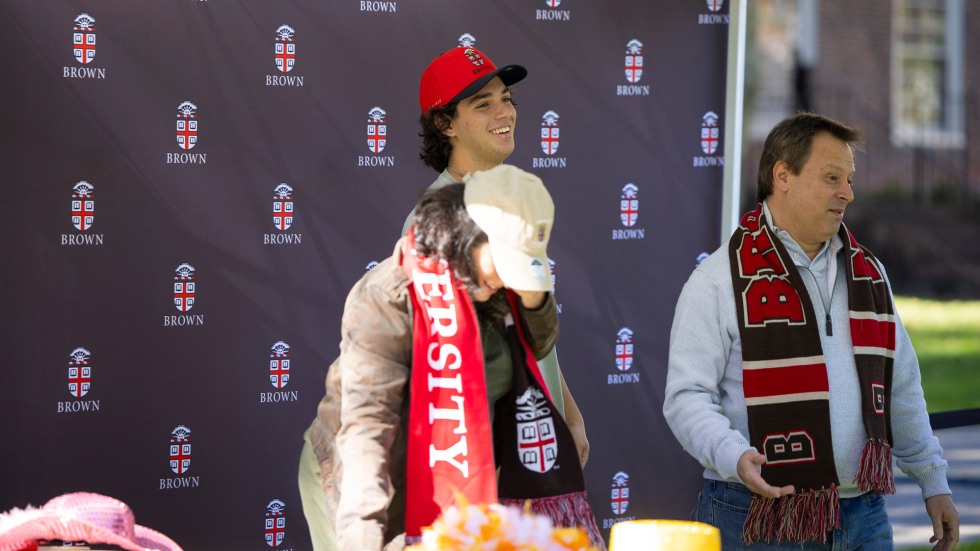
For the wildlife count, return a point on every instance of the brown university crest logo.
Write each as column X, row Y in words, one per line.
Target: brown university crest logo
column 83, row 38
column 536, row 442
column 285, row 48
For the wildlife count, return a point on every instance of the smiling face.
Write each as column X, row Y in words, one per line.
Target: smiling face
column 482, row 134
column 810, row 205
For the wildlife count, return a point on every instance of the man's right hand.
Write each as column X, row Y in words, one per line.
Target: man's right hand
column 750, row 471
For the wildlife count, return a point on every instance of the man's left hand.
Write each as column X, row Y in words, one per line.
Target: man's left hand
column 945, row 522
column 532, row 300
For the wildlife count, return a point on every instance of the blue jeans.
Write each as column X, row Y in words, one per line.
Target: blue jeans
column 864, row 521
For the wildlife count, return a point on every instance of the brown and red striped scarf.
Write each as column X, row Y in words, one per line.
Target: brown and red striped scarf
column 786, row 386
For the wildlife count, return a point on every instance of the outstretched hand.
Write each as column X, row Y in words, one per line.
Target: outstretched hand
column 945, row 522
column 750, row 472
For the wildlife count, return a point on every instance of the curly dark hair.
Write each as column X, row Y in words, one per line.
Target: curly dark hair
column 443, row 229
column 790, row 141
column 435, row 145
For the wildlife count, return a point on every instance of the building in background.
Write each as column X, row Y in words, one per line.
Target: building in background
column 903, row 72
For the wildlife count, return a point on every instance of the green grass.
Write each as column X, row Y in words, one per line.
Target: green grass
column 946, row 337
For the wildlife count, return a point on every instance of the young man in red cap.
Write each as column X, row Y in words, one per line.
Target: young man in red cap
column 468, row 115
column 468, row 121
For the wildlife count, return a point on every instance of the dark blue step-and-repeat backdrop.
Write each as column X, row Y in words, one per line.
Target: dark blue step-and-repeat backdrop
column 190, row 188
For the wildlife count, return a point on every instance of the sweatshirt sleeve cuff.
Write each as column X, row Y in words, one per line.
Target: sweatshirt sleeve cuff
column 933, row 482
column 728, row 456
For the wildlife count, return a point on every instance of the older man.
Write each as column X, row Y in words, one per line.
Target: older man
column 790, row 375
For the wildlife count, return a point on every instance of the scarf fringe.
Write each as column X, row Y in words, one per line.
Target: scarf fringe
column 798, row 518
column 566, row 511
column 875, row 473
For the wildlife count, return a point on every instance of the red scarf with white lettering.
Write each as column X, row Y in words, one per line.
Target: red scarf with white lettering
column 451, row 442
column 449, row 434
column 786, row 386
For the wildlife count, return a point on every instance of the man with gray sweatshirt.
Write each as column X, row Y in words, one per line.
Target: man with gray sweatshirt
column 791, row 377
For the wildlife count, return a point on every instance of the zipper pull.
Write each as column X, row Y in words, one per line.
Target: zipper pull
column 830, row 327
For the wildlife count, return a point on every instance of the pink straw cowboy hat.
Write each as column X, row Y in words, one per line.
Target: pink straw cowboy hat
column 80, row 516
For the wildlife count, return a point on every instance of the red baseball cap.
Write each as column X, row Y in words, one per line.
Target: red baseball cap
column 460, row 73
